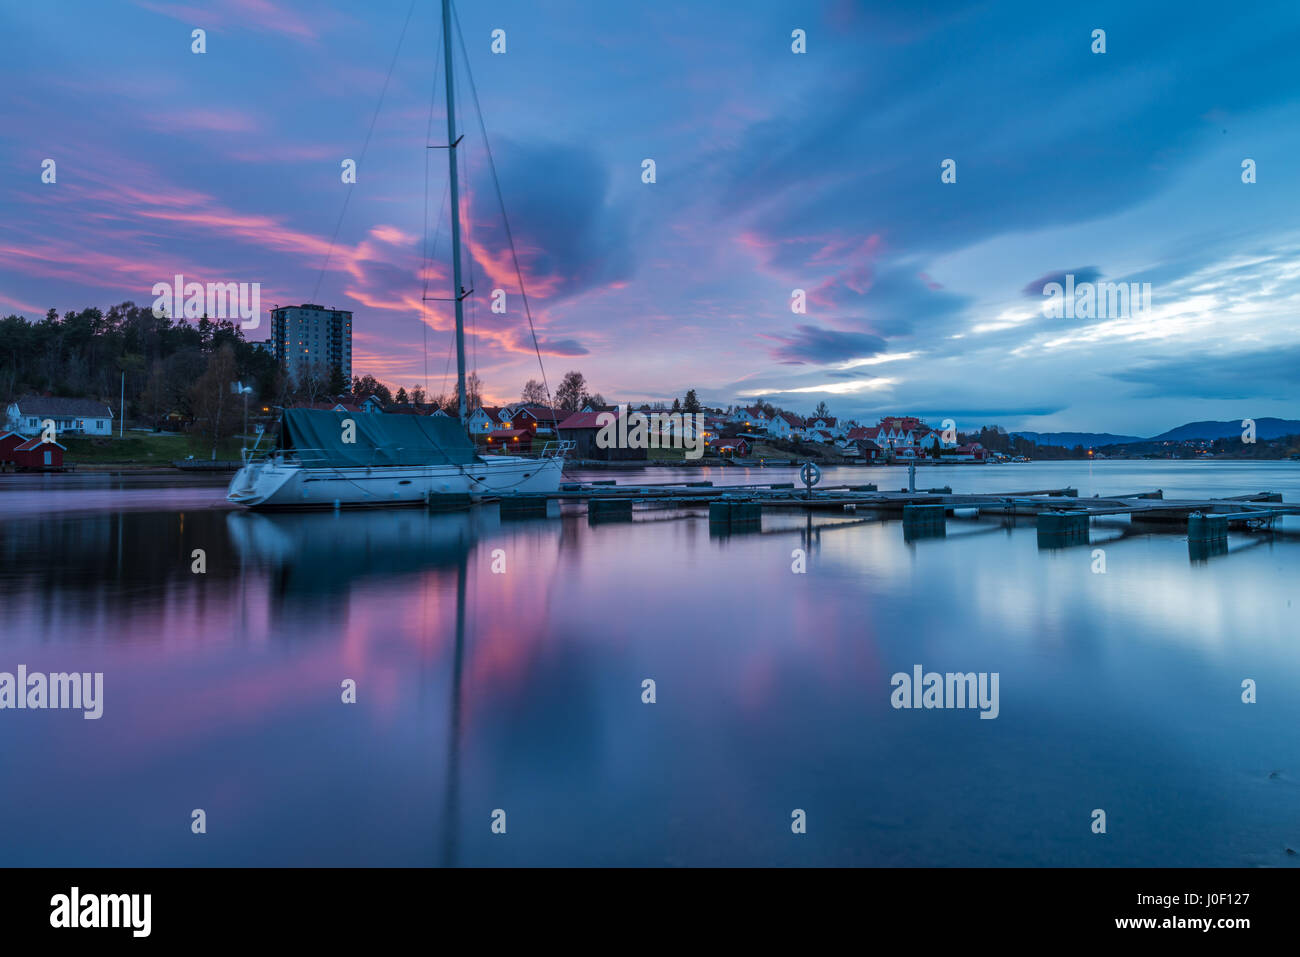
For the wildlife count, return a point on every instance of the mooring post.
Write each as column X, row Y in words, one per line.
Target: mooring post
column 911, row 476
column 1206, row 527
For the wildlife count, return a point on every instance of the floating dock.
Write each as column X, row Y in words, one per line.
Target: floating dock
column 1061, row 516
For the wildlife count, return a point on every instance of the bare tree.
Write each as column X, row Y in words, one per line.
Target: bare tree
column 534, row 393
column 215, row 405
column 473, row 391
column 572, row 393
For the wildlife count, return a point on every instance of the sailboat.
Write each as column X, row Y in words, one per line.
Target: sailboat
column 327, row 459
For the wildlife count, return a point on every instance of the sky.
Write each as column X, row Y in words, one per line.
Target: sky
column 774, row 171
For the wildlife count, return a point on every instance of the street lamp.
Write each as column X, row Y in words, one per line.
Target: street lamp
column 238, row 388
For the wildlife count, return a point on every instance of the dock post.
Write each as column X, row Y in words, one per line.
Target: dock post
column 735, row 516
column 1056, row 529
column 924, row 521
column 924, row 514
column 1202, row 527
column 523, row 506
column 609, row 510
column 454, row 502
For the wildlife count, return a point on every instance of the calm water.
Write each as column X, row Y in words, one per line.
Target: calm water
column 522, row 691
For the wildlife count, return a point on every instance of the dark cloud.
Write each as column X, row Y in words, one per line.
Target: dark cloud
column 562, row 347
column 1267, row 373
column 971, row 419
column 567, row 232
column 1034, row 289
column 896, row 303
column 817, row 345
column 866, row 160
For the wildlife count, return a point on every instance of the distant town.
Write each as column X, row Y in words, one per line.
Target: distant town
column 198, row 389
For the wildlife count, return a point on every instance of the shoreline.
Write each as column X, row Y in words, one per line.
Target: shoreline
column 126, row 469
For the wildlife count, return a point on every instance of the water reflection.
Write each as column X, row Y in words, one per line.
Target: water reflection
column 522, row 690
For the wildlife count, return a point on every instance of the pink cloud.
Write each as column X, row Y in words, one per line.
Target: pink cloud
column 205, row 121
column 259, row 15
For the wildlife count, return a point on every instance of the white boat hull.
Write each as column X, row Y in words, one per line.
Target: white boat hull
column 275, row 483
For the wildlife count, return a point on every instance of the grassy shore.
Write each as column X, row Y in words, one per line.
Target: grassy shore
column 141, row 450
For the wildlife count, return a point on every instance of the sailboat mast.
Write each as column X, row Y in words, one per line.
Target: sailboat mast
column 458, row 293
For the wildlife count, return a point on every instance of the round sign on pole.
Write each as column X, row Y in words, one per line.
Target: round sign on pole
column 810, row 474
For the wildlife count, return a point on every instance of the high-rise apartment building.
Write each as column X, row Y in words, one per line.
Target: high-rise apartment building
column 310, row 339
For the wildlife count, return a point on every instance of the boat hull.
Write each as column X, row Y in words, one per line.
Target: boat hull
column 287, row 485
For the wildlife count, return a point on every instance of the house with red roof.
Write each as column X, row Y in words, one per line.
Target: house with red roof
column 752, row 417
column 487, row 418
column 8, row 442
column 970, row 452
column 583, row 429
column 509, row 441
column 785, row 425
column 36, row 454
column 537, row 419
column 735, row 445
column 827, row 423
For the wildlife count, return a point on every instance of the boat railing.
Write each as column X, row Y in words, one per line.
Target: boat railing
column 560, row 447
column 318, row 458
column 379, row 455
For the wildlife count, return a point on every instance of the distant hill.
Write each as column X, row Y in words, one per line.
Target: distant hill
column 1089, row 440
column 1265, row 428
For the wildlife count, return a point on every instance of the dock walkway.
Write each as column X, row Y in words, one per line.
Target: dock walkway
column 1061, row 515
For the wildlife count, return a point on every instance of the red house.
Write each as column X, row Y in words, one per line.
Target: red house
column 8, row 442
column 730, row 446
column 38, row 454
column 510, row 441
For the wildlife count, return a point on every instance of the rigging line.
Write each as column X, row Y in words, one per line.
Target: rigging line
column 496, row 182
column 364, row 146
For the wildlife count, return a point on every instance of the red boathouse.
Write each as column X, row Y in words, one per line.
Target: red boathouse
column 38, row 454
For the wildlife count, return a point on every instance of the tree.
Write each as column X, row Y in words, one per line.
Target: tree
column 677, row 405
column 572, row 393
column 417, row 395
column 473, row 391
column 401, row 398
column 822, row 411
column 216, row 407
column 691, row 403
column 337, row 383
column 314, row 385
column 534, row 393
column 596, row 399
column 365, row 385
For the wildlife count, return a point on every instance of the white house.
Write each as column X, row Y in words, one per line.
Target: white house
column 928, row 439
column 488, row 418
column 784, row 425
column 898, row 431
column 751, row 418
column 84, row 416
column 829, row 424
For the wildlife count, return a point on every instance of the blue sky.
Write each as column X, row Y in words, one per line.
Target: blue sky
column 775, row 171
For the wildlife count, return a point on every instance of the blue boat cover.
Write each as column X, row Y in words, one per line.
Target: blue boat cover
column 320, row 439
